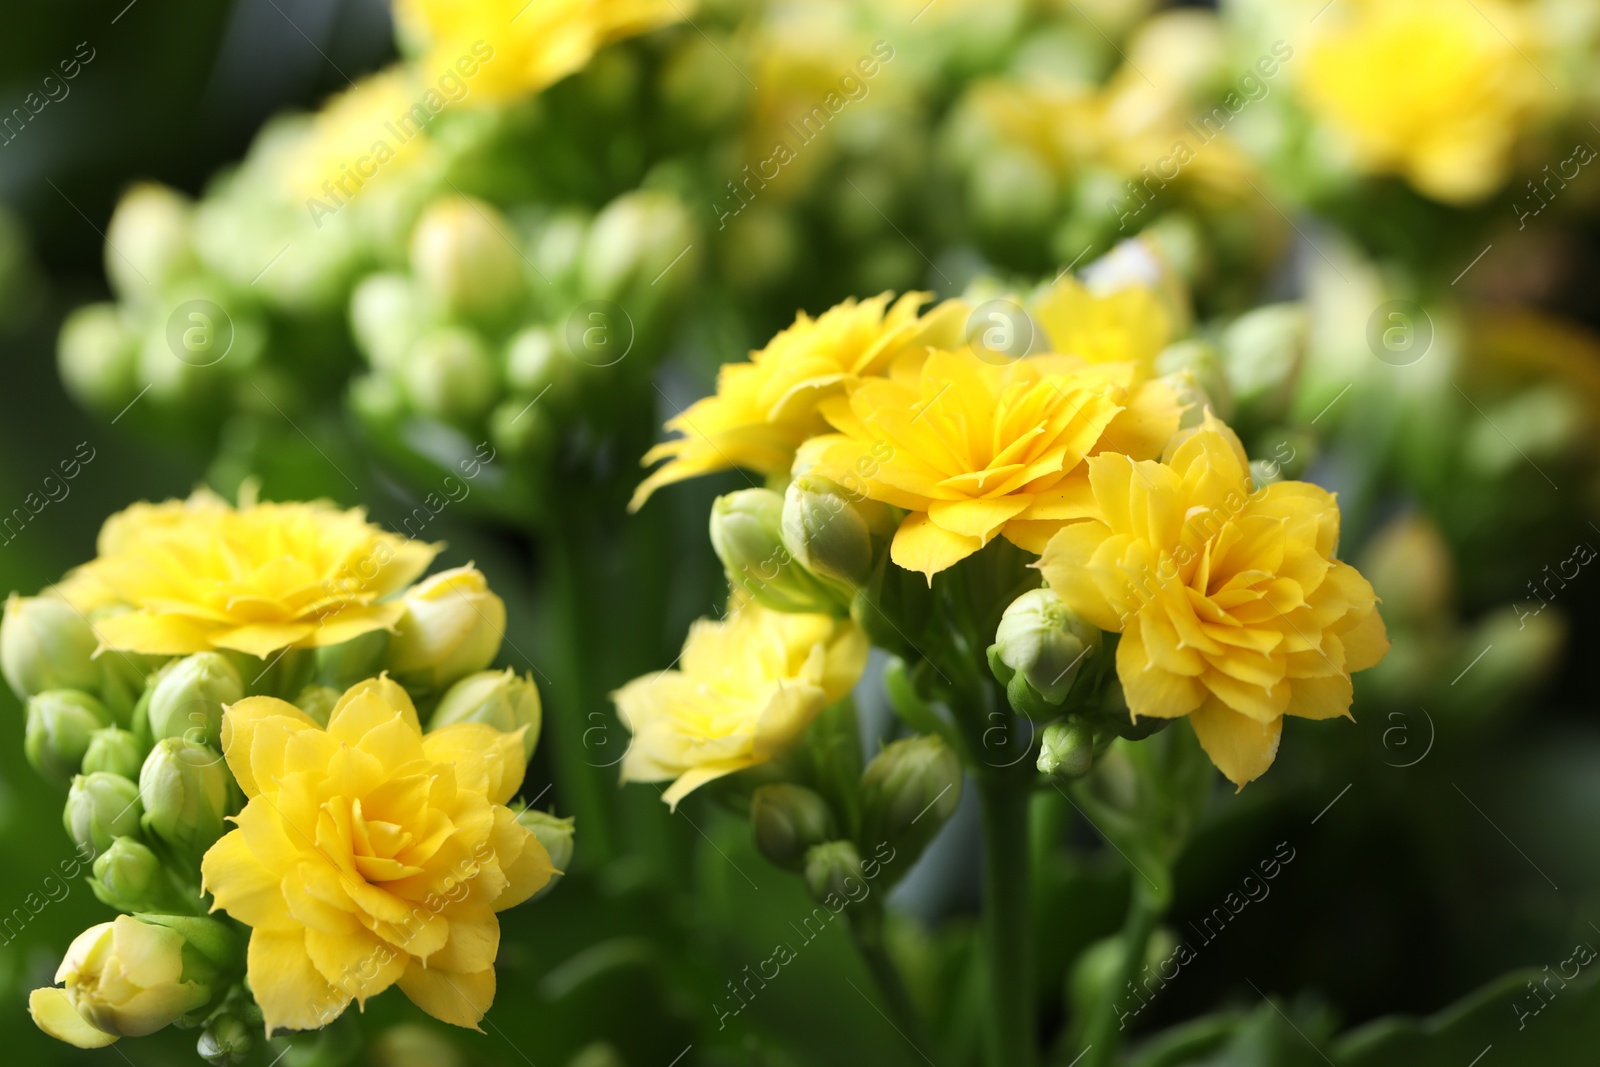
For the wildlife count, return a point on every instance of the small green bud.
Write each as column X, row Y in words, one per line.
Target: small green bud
column 536, row 367
column 1066, row 750
column 450, row 375
column 385, row 316
column 123, row 675
column 343, row 665
column 115, row 751
column 494, row 698
column 61, row 723
column 1261, row 354
column 130, row 877
column 523, row 429
column 46, row 644
column 465, row 254
column 1039, row 651
column 317, row 701
column 96, row 355
column 634, row 241
column 188, row 698
column 907, row 793
column 835, row 535
column 227, row 1041
column 833, row 871
column 747, row 534
column 788, row 821
column 184, row 790
column 556, row 835
column 148, row 241
column 452, row 626
column 100, row 808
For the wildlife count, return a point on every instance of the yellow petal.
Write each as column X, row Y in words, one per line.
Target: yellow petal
column 695, row 777
column 388, row 691
column 1241, row 747
column 262, row 639
column 240, row 723
column 920, row 545
column 242, row 886
column 487, row 761
column 152, row 634
column 53, row 1013
column 528, row 874
column 455, row 998
column 1327, row 697
column 291, row 992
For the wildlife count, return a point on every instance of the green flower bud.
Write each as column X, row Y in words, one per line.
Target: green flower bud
column 522, row 429
column 61, row 723
column 100, row 808
column 494, row 698
column 747, row 534
column 188, row 697
column 131, row 878
column 788, row 821
column 1066, row 750
column 378, row 400
column 452, row 626
column 386, row 317
column 46, row 644
column 634, row 241
column 317, row 701
column 1039, row 650
column 227, row 1041
column 184, row 790
column 465, row 254
column 537, row 367
column 148, row 241
column 907, row 793
column 96, row 355
column 833, row 872
column 343, row 665
column 835, row 535
column 556, row 835
column 450, row 375
column 1194, row 371
column 123, row 675
column 1261, row 352
column 115, row 751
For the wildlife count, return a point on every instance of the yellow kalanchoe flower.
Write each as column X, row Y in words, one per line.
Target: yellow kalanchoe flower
column 370, row 855
column 748, row 685
column 1127, row 325
column 1232, row 608
column 1437, row 91
column 535, row 44
column 200, row 574
column 976, row 450
column 359, row 134
column 764, row 409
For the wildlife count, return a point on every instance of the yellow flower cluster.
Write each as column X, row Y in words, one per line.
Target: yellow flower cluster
column 535, row 44
column 1232, row 608
column 198, row 574
column 370, row 855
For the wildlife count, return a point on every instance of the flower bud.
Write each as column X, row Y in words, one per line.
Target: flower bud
column 129, row 877
column 96, row 355
column 227, row 1041
column 464, row 252
column 114, row 751
column 148, row 242
column 833, row 872
column 450, row 375
column 1066, row 750
column 317, row 701
column 536, row 367
column 494, row 698
column 184, row 790
column 189, row 695
column 100, row 808
column 747, row 534
column 907, row 793
column 524, row 430
column 1261, row 352
column 46, row 644
column 452, row 626
column 556, row 835
column 61, row 723
column 834, row 535
column 788, row 821
column 1039, row 650
column 385, row 317
column 343, row 665
column 635, row 241
column 130, row 977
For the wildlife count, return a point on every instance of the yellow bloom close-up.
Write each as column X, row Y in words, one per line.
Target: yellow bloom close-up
column 200, row 574
column 1436, row 91
column 535, row 44
column 764, row 409
column 358, row 135
column 369, row 855
column 1232, row 608
column 1131, row 324
column 974, row 449
column 746, row 687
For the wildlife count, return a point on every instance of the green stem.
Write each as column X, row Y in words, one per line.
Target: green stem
column 866, row 930
column 1103, row 1036
column 1008, row 919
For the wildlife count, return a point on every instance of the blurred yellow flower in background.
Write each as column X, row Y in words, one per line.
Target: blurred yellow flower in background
column 1231, row 605
column 370, row 855
column 748, row 685
column 764, row 409
column 973, row 449
column 358, row 134
column 1127, row 325
column 1437, row 91
column 535, row 44
column 200, row 574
